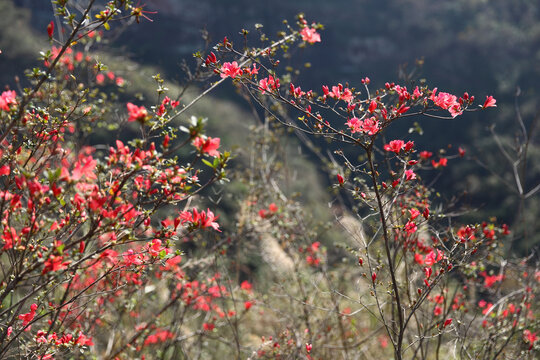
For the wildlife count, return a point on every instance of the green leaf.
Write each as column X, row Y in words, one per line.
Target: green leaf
column 60, row 249
column 208, row 163
column 52, row 176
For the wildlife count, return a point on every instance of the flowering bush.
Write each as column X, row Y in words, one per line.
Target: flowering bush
column 107, row 250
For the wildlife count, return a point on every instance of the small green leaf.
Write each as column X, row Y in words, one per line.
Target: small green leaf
column 208, row 163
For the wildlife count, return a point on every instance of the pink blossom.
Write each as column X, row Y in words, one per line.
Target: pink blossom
column 313, row 260
column 426, row 155
column 409, row 146
column 310, row 35
column 371, row 126
column 490, row 280
column 414, row 213
column 100, row 79
column 50, row 29
column 245, row 285
column 395, row 146
column 410, row 227
column 7, row 99
column 433, row 258
column 430, row 258
column 155, row 248
column 446, row 101
column 230, row 69
column 441, row 163
column 403, row 109
column 417, row 93
column 296, row 91
column 5, row 170
column 84, row 340
column 200, row 219
column 383, row 341
column 403, row 93
column 28, row 317
column 131, row 258
column 55, row 263
column 207, row 145
column 136, row 113
column 428, row 272
column 273, row 208
column 268, row 84
column 410, row 175
column 354, row 124
column 84, row 168
column 211, row 59
column 490, row 102
column 208, row 326
column 372, row 106
column 339, row 93
column 252, row 71
column 455, row 110
column 530, row 338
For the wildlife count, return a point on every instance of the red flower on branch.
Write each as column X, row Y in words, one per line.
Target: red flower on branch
column 55, row 263
column 28, row 317
column 310, row 35
column 441, row 163
column 136, row 113
column 490, row 102
column 50, row 29
column 200, row 219
column 268, row 84
column 529, row 338
column 7, row 99
column 395, row 146
column 207, row 145
column 230, row 69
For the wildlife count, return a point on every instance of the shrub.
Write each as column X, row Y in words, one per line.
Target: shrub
column 108, row 251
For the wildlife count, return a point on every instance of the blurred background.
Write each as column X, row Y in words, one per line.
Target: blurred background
column 484, row 47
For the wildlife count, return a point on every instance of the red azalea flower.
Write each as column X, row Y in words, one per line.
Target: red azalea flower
column 50, row 29
column 207, row 145
column 310, row 35
column 530, row 337
column 490, row 102
column 395, row 146
column 136, row 113
column 230, row 69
